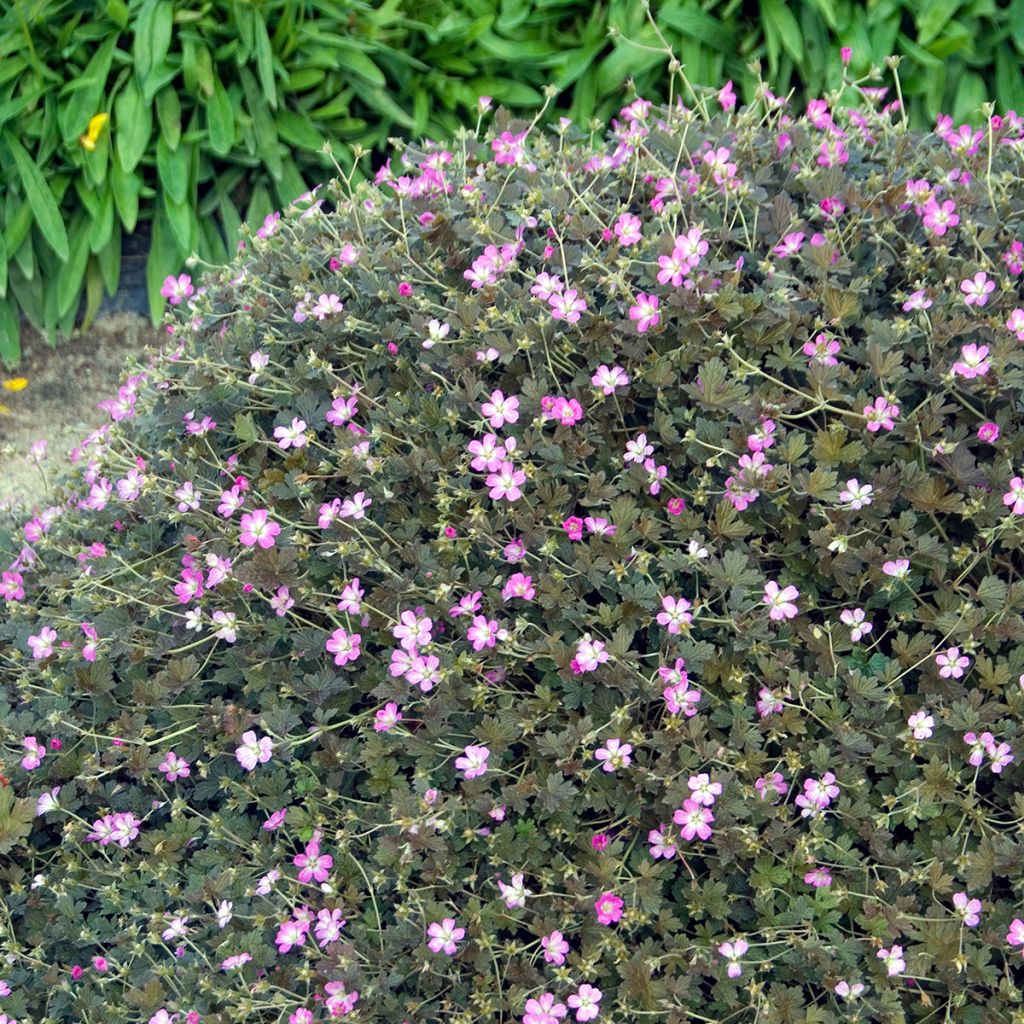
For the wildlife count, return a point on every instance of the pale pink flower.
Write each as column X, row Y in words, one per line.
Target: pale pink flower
column 781, row 602
column 174, row 767
column 175, row 289
column 515, row 894
column 967, row 908
column 917, row 300
column 1013, row 497
column 474, row 764
column 822, row 350
column 952, row 663
column 938, row 219
column 973, row 361
column 629, row 229
column 555, row 947
column 893, row 960
column 293, row 436
column 254, row 751
column 855, row 619
column 586, row 1002
column 662, row 844
column 505, row 483
column 567, row 305
column 344, row 646
column 675, row 614
column 693, row 820
column 922, row 724
column 880, row 414
column 543, row 1010
column 732, row 951
column 327, row 305
column 1015, row 323
column 614, row 754
column 645, row 312
column 501, row 410
column 856, row 494
column 607, row 380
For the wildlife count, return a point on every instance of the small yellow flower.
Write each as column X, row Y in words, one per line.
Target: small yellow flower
column 15, row 384
column 92, row 134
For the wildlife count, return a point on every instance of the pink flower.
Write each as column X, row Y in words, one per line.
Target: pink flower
column 253, row 751
column 501, row 410
column 42, row 643
column 845, row 55
column 174, row 767
column 973, row 361
column 628, row 229
column 515, row 894
column 608, row 380
column 938, row 219
column 293, row 436
column 922, row 725
column 327, row 305
column 676, row 506
column 790, row 245
column 404, row 289
column 444, row 935
column 413, row 630
column 703, row 790
column 893, row 960
column 967, row 908
column 726, row 96
column 645, row 312
column 1013, row 497
column 693, row 820
column 614, row 754
column 36, row 752
column 732, row 951
column 573, row 527
column 952, row 663
column 543, row 1010
column 314, row 865
column 290, row 934
column 387, row 717
column 567, row 306
column 675, row 613
column 662, row 845
column 1015, row 323
column 177, row 288
column 988, row 433
column 819, row 877
column 609, row 908
column 822, row 350
column 505, row 483
column 485, row 633
column 276, row 820
column 918, row 300
column 555, row 947
column 474, row 764
column 258, row 528
column 344, row 646
column 1015, row 936
column 770, row 784
column 781, row 602
column 586, row 1002
column 520, row 586
column 897, row 568
column 880, row 414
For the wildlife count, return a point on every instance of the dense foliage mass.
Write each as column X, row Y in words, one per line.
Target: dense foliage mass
column 564, row 579
column 181, row 120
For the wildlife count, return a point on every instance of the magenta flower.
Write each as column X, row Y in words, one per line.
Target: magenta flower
column 35, row 753
column 474, row 764
column 614, row 754
column 790, row 245
column 645, row 312
column 819, row 877
column 726, row 96
column 938, row 219
column 174, row 767
column 387, row 717
column 694, row 821
column 444, row 935
column 555, row 947
column 567, row 306
column 291, row 934
column 543, row 1010
column 500, row 410
column 505, row 483
column 175, row 289
column 609, row 908
column 573, row 527
column 344, row 646
column 413, row 631
column 629, row 229
column 275, row 821
column 315, row 865
column 988, row 433
column 258, row 528
column 781, row 602
column 822, row 350
column 675, row 613
column 42, row 643
column 254, row 751
column 880, row 415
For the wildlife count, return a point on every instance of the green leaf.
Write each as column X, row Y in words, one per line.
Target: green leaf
column 163, row 260
column 3, row 267
column 84, row 101
column 126, row 194
column 37, row 192
column 110, row 261
column 931, row 16
column 182, row 223
column 694, row 23
column 267, row 143
column 172, row 168
column 778, row 18
column 265, row 60
column 296, row 129
column 133, row 126
column 72, row 273
column 16, row 817
column 153, row 29
column 10, row 333
column 93, row 292
column 220, row 120
column 168, row 112
column 355, row 61
column 102, row 222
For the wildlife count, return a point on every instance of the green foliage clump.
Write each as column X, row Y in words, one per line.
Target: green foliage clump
column 560, row 573
column 183, row 121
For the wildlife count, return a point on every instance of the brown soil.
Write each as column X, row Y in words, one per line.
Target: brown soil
column 59, row 403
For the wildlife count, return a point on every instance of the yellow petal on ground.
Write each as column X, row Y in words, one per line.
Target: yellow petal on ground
column 3, row 409
column 15, row 384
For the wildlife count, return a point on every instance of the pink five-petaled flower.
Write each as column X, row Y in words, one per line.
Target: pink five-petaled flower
column 694, row 820
column 917, row 300
column 1015, row 936
column 614, row 754
column 893, row 960
column 1014, row 497
column 628, row 229
column 177, row 288
column 505, row 483
column 822, row 350
column 607, row 380
column 880, row 415
column 967, row 908
column 662, row 845
column 856, row 495
column 586, row 1002
column 291, row 933
column 781, row 602
column 921, row 724
column 855, row 619
column 474, row 763
column 515, row 894
column 543, row 1010
column 645, row 312
column 293, row 436
column 732, row 951
column 988, row 432
column 258, row 528
column 566, row 305
column 413, row 631
column 555, row 947
column 939, row 218
column 42, row 643
column 976, row 290
column 952, row 663
column 344, row 646
column 819, row 877
column 314, row 864
column 174, row 767
column 36, row 752
column 609, row 908
column 1015, row 323
column 973, row 362
column 326, row 305
column 703, row 790
column 500, row 410
column 444, row 935
column 387, row 717
column 675, row 613
column 254, row 751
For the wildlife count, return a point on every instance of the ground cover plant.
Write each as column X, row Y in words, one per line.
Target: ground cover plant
column 570, row 577
column 180, row 120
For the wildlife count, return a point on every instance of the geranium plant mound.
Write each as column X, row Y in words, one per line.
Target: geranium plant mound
column 570, row 578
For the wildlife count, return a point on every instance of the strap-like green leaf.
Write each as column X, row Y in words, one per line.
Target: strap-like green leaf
column 37, row 192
